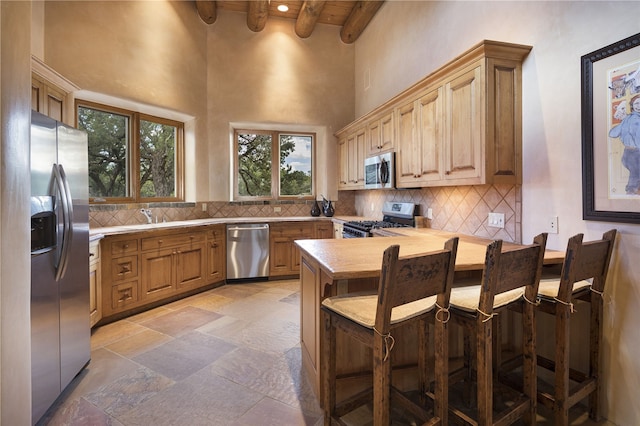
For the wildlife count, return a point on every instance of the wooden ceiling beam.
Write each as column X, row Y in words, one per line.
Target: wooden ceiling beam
column 207, row 10
column 358, row 20
column 257, row 15
column 308, row 16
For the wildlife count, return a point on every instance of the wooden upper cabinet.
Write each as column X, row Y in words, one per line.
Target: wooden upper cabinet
column 418, row 158
column 343, row 164
column 460, row 125
column 380, row 134
column 465, row 127
column 352, row 155
column 51, row 93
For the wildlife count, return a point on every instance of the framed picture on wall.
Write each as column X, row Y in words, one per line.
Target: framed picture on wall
column 611, row 132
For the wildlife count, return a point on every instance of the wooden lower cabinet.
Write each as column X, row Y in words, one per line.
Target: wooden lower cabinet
column 95, row 279
column 216, row 253
column 148, row 267
column 284, row 256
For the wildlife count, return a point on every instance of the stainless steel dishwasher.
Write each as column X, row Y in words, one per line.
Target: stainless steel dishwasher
column 247, row 251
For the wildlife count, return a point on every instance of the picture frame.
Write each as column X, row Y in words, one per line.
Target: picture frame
column 610, row 79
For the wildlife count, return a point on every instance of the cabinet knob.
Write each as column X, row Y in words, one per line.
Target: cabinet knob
column 448, row 172
column 124, row 270
column 126, row 246
column 160, row 241
column 214, row 245
column 192, row 237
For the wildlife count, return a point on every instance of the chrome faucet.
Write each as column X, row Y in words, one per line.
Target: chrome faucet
column 147, row 214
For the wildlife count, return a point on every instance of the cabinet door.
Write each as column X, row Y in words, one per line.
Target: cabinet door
column 324, row 230
column 465, row 127
column 430, row 135
column 360, row 156
column 190, row 266
column 95, row 293
column 216, row 255
column 387, row 132
column 374, row 137
column 158, row 279
column 407, row 154
column 343, row 153
column 280, row 255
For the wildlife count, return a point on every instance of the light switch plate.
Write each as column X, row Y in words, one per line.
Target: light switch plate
column 496, row 220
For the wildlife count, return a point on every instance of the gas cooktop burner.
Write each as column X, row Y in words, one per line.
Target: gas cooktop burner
column 396, row 215
column 368, row 225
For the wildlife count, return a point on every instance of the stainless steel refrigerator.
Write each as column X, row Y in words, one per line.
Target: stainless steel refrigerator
column 60, row 330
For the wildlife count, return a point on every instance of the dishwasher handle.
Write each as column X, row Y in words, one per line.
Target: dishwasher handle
column 247, row 228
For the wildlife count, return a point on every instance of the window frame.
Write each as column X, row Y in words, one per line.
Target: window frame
column 275, row 171
column 133, row 160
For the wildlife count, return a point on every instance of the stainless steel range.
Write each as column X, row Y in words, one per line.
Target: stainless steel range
column 395, row 215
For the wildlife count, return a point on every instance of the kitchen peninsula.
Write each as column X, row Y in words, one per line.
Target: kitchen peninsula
column 332, row 267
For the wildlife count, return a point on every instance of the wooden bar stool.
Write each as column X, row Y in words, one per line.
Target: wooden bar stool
column 583, row 277
column 509, row 277
column 409, row 290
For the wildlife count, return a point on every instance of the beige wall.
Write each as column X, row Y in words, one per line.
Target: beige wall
column 160, row 54
column 421, row 36
column 15, row 118
column 149, row 56
column 276, row 78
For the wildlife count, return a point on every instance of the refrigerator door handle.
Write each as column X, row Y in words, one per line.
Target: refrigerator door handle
column 67, row 221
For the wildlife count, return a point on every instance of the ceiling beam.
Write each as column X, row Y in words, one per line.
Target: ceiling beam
column 257, row 15
column 308, row 16
column 358, row 20
column 207, row 10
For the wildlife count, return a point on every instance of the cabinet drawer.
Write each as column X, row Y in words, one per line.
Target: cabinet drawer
column 124, row 268
column 216, row 233
column 294, row 230
column 123, row 295
column 171, row 240
column 94, row 251
column 120, row 248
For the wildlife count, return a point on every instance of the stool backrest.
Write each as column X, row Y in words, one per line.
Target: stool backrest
column 407, row 279
column 585, row 260
column 511, row 269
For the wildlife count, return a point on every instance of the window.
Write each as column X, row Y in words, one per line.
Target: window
column 257, row 152
column 132, row 157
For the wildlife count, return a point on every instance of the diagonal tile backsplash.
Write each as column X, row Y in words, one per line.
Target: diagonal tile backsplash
column 461, row 209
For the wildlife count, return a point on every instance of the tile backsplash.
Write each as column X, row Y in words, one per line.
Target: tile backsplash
column 461, row 209
column 101, row 215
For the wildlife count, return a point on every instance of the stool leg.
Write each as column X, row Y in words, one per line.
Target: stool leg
column 561, row 409
column 381, row 382
column 329, row 367
column 530, row 362
column 594, row 356
column 441, row 390
column 484, row 394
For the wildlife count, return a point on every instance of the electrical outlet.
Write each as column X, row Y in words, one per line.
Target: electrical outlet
column 552, row 225
column 204, row 207
column 430, row 213
column 277, row 209
column 496, row 220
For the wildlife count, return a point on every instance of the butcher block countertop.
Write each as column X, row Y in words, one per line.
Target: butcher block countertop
column 362, row 257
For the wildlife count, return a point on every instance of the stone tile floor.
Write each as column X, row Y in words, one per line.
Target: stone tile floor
column 228, row 356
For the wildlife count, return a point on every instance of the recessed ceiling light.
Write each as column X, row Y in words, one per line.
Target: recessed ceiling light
column 283, row 7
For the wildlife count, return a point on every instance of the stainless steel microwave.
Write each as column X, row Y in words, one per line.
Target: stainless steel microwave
column 379, row 171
